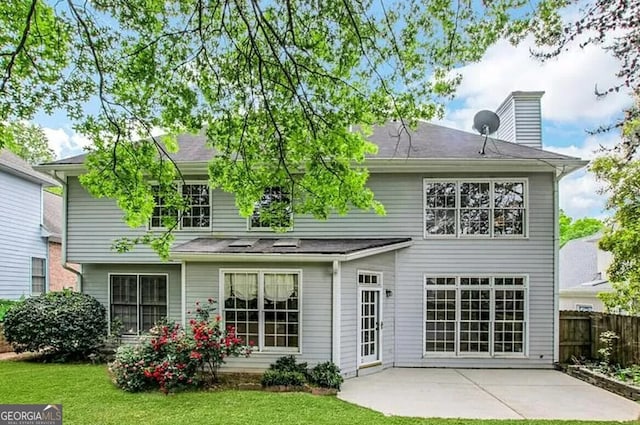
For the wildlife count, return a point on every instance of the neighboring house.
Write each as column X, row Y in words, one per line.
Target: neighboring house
column 460, row 272
column 583, row 274
column 23, row 240
column 61, row 275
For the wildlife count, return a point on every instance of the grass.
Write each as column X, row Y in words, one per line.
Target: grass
column 88, row 397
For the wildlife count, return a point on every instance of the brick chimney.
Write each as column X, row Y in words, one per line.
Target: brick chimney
column 521, row 118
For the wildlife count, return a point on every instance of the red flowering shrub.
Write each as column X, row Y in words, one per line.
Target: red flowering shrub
column 171, row 358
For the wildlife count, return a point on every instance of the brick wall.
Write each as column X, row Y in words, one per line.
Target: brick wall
column 59, row 277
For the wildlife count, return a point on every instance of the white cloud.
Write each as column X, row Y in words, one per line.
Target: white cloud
column 568, row 81
column 580, row 196
column 590, row 148
column 65, row 142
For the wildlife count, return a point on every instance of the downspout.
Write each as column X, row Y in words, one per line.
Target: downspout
column 556, row 266
column 63, row 256
column 336, row 312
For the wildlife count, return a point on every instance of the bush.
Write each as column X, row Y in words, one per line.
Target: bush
column 171, row 358
column 273, row 377
column 62, row 324
column 326, row 375
column 289, row 364
column 5, row 305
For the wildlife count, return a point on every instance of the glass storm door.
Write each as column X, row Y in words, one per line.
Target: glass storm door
column 369, row 326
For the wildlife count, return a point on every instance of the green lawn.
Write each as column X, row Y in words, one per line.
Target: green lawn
column 88, row 397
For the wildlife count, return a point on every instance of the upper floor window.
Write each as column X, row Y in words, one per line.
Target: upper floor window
column 478, row 207
column 198, row 213
column 273, row 210
column 38, row 275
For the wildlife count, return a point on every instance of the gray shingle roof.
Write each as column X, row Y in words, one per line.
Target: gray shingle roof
column 578, row 261
column 17, row 166
column 427, row 141
column 282, row 245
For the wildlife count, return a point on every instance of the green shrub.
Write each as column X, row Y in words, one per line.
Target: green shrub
column 289, row 364
column 326, row 375
column 64, row 325
column 5, row 305
column 272, row 378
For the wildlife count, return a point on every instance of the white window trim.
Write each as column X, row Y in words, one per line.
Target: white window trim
column 260, row 348
column 491, row 181
column 179, row 185
column 370, row 287
column 45, row 270
column 491, row 287
column 137, row 275
column 577, row 306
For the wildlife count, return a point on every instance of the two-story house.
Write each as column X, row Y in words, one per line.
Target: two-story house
column 25, row 230
column 460, row 272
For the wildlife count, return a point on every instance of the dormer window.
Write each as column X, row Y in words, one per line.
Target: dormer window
column 197, row 197
column 273, row 211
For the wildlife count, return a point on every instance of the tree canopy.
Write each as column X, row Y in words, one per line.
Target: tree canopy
column 28, row 141
column 571, row 229
column 275, row 86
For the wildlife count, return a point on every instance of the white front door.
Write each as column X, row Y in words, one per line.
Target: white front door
column 369, row 338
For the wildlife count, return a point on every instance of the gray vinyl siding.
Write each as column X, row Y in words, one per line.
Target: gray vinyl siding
column 507, row 129
column 528, row 115
column 93, row 224
column 20, row 234
column 382, row 263
column 203, row 283
column 95, row 282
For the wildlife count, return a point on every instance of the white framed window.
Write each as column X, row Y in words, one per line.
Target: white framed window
column 475, row 315
column 197, row 216
column 138, row 301
column 489, row 208
column 272, row 211
column 264, row 307
column 584, row 307
column 38, row 275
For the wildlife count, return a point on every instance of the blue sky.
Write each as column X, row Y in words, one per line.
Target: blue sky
column 569, row 109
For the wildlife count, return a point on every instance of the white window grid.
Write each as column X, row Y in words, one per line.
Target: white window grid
column 454, row 210
column 465, row 295
column 283, row 323
column 140, row 308
column 198, row 212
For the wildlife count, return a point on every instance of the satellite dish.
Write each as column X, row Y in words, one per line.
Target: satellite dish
column 486, row 122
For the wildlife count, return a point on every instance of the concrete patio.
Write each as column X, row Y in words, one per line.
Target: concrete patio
column 486, row 394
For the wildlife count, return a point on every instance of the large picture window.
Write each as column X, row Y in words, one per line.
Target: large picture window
column 197, row 197
column 138, row 301
column 467, row 208
column 264, row 308
column 475, row 315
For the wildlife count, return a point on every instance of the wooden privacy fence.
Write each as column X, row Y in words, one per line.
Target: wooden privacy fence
column 580, row 336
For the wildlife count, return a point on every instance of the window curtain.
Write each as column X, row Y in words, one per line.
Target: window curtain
column 279, row 287
column 243, row 286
